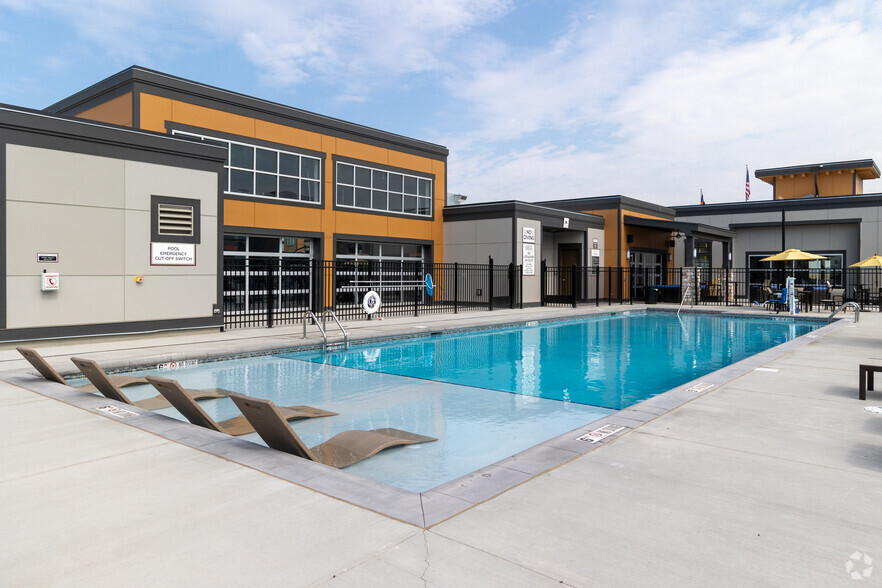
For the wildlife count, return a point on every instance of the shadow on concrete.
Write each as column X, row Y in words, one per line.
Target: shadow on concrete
column 868, row 457
column 850, row 391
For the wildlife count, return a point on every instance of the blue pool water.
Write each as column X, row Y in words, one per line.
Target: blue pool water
column 610, row 362
column 489, row 394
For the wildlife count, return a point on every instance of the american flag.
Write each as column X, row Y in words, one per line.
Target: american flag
column 702, row 196
column 746, row 183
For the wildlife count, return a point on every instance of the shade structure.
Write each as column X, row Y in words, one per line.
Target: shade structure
column 793, row 255
column 872, row 261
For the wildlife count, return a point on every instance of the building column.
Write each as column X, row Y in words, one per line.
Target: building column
column 689, row 257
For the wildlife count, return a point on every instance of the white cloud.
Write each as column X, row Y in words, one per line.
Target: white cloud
column 350, row 42
column 682, row 118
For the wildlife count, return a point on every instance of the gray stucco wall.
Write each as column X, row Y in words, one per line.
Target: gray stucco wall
column 855, row 230
column 94, row 212
column 475, row 241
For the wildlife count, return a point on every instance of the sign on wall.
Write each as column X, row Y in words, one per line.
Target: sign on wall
column 529, row 259
column 172, row 254
column 529, row 235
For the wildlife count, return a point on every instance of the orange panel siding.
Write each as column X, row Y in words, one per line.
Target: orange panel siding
column 154, row 112
column 238, row 213
column 117, row 111
column 210, row 118
column 280, row 216
column 361, row 151
column 353, row 223
column 410, row 229
column 287, row 135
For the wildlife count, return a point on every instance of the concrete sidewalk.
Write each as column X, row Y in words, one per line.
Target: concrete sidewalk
column 774, row 478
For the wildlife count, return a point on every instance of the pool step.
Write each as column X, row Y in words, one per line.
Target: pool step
column 336, row 345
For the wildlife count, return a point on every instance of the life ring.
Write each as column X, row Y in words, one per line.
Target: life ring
column 371, row 302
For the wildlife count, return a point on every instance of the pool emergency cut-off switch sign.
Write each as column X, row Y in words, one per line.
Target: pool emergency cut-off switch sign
column 172, row 254
column 48, row 282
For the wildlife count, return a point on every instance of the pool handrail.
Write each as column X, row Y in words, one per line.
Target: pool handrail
column 855, row 305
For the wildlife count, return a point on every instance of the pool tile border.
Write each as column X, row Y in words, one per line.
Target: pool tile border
column 433, row 506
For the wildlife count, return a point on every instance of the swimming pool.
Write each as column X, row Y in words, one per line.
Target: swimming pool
column 608, row 361
column 488, row 394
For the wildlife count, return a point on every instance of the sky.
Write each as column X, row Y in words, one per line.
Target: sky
column 536, row 100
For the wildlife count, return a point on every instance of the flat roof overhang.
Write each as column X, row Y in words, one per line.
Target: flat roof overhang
column 551, row 218
column 689, row 229
column 864, row 168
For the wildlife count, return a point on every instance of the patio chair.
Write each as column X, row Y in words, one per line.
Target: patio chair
column 779, row 302
column 106, row 387
column 49, row 372
column 235, row 426
column 341, row 450
column 835, row 298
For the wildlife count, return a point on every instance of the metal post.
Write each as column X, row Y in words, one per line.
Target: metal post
column 269, row 294
column 456, row 287
column 573, row 285
column 511, row 285
column 490, row 283
column 416, row 290
column 543, row 269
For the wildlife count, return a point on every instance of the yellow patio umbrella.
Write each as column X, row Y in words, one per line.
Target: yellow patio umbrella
column 872, row 261
column 793, row 255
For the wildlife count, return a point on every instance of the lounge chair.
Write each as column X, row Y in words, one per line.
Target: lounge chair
column 235, row 426
column 49, row 372
column 339, row 451
column 106, row 387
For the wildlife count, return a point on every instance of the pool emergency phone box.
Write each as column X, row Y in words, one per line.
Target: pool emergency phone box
column 48, row 282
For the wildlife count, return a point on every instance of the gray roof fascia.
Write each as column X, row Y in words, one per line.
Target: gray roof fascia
column 806, row 169
column 688, row 228
column 518, row 209
column 14, row 118
column 820, row 203
column 611, row 202
column 139, row 78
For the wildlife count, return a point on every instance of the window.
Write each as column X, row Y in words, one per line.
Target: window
column 358, row 186
column 174, row 220
column 250, row 262
column 268, row 173
column 394, row 270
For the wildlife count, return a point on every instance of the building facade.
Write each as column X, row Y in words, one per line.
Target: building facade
column 106, row 230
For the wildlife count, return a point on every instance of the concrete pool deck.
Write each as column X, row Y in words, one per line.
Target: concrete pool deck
column 771, row 477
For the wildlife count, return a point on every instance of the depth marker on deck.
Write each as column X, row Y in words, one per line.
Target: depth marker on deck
column 601, row 433
column 117, row 411
column 766, row 370
column 701, row 387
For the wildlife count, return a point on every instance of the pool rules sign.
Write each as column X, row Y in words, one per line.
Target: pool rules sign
column 172, row 254
column 529, row 251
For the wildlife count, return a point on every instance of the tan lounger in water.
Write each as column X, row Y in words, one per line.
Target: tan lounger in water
column 48, row 372
column 339, row 451
column 106, row 387
column 185, row 404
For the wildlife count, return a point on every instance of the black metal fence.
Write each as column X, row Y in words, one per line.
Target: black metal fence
column 574, row 285
column 263, row 292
